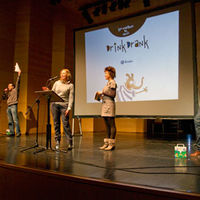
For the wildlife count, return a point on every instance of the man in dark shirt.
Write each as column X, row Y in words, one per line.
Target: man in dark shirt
column 12, row 94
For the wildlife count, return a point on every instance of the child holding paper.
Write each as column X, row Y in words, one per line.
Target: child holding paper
column 12, row 95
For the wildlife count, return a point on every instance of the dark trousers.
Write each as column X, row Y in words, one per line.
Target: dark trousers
column 58, row 111
column 110, row 127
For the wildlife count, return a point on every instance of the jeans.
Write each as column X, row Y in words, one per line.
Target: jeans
column 197, row 129
column 57, row 112
column 13, row 119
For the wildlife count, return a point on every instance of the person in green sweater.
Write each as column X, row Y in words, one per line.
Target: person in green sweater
column 12, row 95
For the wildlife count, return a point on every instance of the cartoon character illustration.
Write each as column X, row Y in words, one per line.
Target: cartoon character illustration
column 129, row 90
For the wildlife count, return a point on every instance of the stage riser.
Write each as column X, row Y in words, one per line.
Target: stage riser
column 25, row 183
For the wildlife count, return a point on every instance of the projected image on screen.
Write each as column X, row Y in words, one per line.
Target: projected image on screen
column 154, row 60
column 145, row 54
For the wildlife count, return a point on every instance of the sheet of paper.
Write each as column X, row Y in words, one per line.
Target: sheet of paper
column 17, row 69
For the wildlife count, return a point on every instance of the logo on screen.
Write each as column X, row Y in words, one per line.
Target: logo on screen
column 126, row 61
column 124, row 46
column 125, row 30
column 127, row 27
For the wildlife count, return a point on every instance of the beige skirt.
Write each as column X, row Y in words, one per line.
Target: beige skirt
column 108, row 108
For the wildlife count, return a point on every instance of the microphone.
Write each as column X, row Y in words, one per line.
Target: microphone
column 53, row 78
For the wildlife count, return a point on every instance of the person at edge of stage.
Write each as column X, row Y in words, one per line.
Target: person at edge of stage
column 108, row 108
column 65, row 89
column 197, row 130
column 12, row 95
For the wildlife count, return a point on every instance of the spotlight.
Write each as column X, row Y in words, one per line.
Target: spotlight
column 120, row 4
column 104, row 9
column 146, row 3
column 113, row 5
column 96, row 11
column 86, row 15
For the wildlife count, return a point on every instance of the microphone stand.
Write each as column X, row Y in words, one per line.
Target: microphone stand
column 49, row 81
column 36, row 145
column 37, row 101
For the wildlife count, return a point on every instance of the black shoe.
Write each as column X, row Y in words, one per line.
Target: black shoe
column 18, row 134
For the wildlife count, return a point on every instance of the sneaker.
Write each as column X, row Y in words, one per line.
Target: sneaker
column 57, row 145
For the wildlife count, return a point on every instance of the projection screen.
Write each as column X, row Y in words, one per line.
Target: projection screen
column 153, row 57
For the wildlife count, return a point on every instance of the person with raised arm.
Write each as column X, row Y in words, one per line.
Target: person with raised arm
column 12, row 95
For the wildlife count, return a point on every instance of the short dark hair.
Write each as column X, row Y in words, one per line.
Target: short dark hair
column 12, row 84
column 111, row 71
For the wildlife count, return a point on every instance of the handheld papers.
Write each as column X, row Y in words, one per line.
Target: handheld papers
column 17, row 69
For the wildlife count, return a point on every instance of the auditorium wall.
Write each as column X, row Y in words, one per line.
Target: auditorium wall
column 40, row 37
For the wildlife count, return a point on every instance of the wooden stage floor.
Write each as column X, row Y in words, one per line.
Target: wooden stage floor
column 136, row 161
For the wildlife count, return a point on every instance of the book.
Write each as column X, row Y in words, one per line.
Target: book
column 97, row 96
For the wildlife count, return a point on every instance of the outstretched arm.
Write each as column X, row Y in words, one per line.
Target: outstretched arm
column 17, row 85
column 19, row 72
